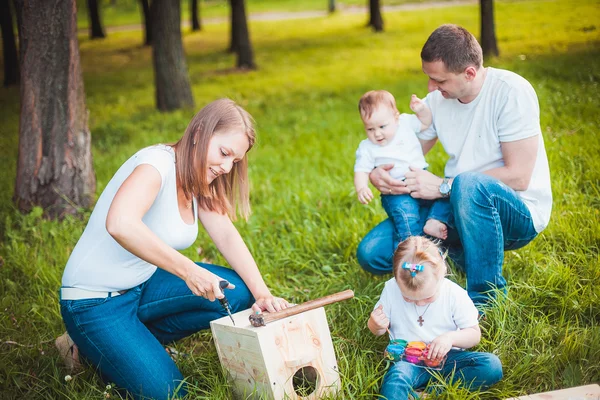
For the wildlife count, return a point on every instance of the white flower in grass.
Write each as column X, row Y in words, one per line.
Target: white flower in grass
column 68, row 378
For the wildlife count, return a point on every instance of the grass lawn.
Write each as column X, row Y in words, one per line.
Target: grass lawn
column 307, row 221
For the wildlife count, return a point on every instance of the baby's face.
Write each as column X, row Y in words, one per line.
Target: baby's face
column 381, row 126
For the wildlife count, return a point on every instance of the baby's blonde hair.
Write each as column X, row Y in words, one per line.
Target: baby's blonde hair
column 422, row 251
column 373, row 99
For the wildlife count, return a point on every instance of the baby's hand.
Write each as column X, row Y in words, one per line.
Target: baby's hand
column 380, row 320
column 440, row 346
column 416, row 104
column 365, row 195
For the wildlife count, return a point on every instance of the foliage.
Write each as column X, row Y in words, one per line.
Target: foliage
column 307, row 222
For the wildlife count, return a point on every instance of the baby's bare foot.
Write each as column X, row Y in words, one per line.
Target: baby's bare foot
column 435, row 228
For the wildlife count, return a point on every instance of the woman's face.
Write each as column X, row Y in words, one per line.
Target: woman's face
column 226, row 148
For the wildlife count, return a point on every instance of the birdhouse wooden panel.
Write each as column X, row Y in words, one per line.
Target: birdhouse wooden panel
column 291, row 358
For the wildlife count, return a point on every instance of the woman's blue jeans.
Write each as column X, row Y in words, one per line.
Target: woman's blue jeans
column 487, row 219
column 123, row 336
column 473, row 369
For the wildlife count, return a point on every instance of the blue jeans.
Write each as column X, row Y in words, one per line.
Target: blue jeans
column 488, row 218
column 473, row 369
column 123, row 336
column 405, row 213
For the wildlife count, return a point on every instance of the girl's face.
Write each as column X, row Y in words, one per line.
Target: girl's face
column 425, row 295
column 226, row 148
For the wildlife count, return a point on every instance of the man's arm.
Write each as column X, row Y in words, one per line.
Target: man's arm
column 519, row 161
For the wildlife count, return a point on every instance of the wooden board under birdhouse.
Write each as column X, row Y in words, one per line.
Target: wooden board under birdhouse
column 291, row 358
column 588, row 392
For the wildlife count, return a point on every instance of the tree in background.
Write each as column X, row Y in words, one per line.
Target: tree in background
column 488, row 29
column 147, row 22
column 240, row 37
column 9, row 45
column 96, row 31
column 173, row 89
column 331, row 7
column 195, row 15
column 375, row 18
column 54, row 167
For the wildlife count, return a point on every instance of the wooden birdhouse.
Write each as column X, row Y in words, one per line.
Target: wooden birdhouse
column 287, row 358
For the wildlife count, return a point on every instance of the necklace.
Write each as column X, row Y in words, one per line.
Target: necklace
column 420, row 320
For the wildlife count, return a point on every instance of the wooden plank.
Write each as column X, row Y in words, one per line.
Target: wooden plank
column 588, row 392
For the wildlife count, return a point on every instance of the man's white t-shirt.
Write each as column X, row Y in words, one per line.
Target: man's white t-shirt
column 451, row 311
column 403, row 150
column 98, row 262
column 506, row 110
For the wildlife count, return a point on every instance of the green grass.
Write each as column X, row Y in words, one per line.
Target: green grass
column 307, row 222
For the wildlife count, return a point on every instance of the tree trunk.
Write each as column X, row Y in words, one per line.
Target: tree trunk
column 54, row 167
column 147, row 22
column 488, row 30
column 375, row 18
column 96, row 31
column 173, row 88
column 9, row 45
column 240, row 35
column 195, row 18
column 233, row 46
column 331, row 7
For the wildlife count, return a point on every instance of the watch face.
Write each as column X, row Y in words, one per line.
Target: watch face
column 444, row 188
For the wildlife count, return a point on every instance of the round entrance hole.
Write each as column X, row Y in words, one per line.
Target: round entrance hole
column 305, row 381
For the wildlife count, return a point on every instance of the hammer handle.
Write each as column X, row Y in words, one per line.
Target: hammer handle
column 309, row 305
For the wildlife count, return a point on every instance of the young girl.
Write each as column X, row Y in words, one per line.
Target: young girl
column 420, row 304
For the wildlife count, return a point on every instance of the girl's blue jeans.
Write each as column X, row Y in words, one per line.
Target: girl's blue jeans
column 474, row 370
column 123, row 336
column 487, row 219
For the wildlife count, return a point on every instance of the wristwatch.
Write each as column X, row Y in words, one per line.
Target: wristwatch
column 445, row 188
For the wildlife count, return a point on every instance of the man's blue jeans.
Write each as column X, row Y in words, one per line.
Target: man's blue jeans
column 473, row 369
column 406, row 212
column 123, row 336
column 488, row 218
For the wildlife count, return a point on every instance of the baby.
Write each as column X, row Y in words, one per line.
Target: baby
column 391, row 139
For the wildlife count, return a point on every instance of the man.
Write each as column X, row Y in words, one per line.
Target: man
column 497, row 177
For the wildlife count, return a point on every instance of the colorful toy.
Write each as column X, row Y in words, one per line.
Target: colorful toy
column 413, row 352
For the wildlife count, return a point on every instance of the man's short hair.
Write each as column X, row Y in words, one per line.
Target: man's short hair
column 456, row 47
column 373, row 99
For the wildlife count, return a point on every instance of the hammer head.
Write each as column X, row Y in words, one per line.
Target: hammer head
column 256, row 320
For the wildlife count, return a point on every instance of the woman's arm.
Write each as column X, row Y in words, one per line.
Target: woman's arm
column 124, row 223
column 228, row 241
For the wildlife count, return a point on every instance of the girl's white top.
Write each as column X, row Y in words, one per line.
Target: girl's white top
column 98, row 262
column 452, row 310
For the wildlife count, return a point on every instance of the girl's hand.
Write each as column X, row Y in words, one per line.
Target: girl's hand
column 270, row 304
column 204, row 283
column 365, row 195
column 379, row 319
column 440, row 346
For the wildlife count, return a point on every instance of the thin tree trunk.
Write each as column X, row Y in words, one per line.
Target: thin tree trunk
column 241, row 36
column 375, row 18
column 96, row 31
column 195, row 15
column 9, row 45
column 488, row 30
column 331, row 7
column 233, row 45
column 173, row 88
column 54, row 167
column 147, row 22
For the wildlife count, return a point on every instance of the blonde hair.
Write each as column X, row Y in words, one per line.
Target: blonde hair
column 418, row 250
column 373, row 99
column 227, row 193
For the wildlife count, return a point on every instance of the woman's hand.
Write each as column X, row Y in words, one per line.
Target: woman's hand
column 270, row 304
column 380, row 178
column 204, row 283
column 440, row 346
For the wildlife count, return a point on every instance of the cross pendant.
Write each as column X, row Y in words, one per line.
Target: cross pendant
column 420, row 320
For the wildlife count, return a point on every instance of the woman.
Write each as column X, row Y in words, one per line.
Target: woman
column 118, row 307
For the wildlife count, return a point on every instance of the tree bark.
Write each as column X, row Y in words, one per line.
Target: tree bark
column 488, row 29
column 173, row 90
column 54, row 167
column 147, row 22
column 331, row 7
column 375, row 18
column 195, row 18
column 241, row 36
column 9, row 45
column 233, row 46
column 96, row 31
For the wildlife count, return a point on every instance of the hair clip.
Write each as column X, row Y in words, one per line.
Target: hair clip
column 414, row 268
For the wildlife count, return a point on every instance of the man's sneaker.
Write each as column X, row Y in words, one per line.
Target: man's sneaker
column 68, row 352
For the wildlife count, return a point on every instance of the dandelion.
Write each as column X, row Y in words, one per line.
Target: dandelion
column 523, row 57
column 108, row 387
column 68, row 378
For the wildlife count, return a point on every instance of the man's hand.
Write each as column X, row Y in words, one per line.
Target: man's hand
column 422, row 184
column 365, row 195
column 380, row 178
